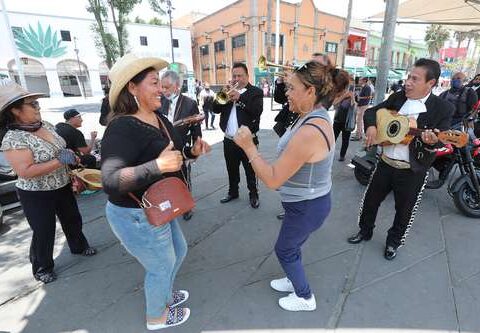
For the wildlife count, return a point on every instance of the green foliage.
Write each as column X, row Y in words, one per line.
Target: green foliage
column 139, row 20
column 156, row 21
column 105, row 42
column 156, row 6
column 39, row 43
column 435, row 37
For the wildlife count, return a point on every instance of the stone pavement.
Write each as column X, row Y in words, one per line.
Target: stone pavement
column 432, row 286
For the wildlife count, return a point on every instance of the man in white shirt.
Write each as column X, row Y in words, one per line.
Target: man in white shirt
column 244, row 107
column 403, row 168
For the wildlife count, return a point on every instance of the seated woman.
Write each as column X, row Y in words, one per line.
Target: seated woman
column 39, row 157
column 302, row 173
column 137, row 152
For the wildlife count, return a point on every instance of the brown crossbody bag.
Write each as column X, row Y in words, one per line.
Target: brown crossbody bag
column 167, row 198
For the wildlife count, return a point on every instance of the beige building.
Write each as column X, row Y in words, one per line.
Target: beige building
column 238, row 33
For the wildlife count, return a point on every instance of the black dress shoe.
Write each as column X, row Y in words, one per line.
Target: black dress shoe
column 188, row 215
column 390, row 252
column 229, row 198
column 254, row 202
column 357, row 238
column 281, row 216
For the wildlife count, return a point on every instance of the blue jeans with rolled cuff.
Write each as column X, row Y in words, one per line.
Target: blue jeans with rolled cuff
column 160, row 250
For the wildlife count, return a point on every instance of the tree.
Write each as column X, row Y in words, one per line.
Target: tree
column 435, row 37
column 156, row 21
column 119, row 10
column 139, row 20
column 156, row 6
column 105, row 42
column 460, row 36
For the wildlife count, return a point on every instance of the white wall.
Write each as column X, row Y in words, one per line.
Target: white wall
column 158, row 43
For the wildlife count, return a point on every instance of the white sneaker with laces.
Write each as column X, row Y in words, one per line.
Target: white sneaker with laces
column 294, row 303
column 284, row 285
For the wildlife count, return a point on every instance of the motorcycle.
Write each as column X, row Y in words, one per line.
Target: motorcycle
column 464, row 189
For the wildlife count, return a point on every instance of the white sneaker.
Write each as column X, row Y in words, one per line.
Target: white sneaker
column 294, row 303
column 284, row 285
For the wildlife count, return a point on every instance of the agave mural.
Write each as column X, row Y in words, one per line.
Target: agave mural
column 40, row 43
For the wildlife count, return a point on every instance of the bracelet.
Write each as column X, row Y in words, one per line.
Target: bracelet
column 254, row 158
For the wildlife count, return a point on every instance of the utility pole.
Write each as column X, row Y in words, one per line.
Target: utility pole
column 269, row 30
column 347, row 32
column 79, row 67
column 277, row 32
column 388, row 34
column 19, row 64
column 169, row 11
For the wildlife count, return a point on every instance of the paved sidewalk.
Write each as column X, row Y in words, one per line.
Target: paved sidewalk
column 432, row 286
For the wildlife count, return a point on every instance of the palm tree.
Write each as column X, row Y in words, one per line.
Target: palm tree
column 435, row 37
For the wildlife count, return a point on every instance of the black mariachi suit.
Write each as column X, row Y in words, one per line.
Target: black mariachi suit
column 185, row 107
column 249, row 109
column 406, row 184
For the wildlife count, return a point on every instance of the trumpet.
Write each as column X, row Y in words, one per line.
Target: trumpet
column 222, row 96
column 263, row 64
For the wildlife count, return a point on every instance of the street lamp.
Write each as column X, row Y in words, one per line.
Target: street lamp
column 79, row 67
column 169, row 11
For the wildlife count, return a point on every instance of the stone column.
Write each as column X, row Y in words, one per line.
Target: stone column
column 95, row 83
column 54, row 83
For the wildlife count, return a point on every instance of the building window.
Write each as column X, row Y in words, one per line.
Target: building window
column 273, row 39
column 238, row 41
column 204, row 50
column 175, row 43
column 65, row 35
column 143, row 40
column 331, row 47
column 219, row 46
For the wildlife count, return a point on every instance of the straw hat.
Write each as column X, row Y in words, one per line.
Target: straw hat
column 10, row 92
column 126, row 68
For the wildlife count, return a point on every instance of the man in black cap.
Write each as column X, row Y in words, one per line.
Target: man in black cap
column 75, row 139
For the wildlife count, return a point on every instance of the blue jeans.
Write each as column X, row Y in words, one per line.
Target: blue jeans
column 301, row 219
column 160, row 250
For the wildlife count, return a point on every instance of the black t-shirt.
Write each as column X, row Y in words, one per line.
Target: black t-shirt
column 365, row 92
column 71, row 135
column 129, row 150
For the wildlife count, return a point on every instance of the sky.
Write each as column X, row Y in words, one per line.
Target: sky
column 76, row 8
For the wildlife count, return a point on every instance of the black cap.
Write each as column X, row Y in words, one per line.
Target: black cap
column 69, row 114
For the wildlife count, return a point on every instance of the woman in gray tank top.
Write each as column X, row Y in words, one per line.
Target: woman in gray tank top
column 302, row 173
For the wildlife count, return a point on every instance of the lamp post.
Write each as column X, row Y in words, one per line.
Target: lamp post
column 169, row 11
column 79, row 67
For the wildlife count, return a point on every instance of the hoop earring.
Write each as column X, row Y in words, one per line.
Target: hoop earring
column 136, row 101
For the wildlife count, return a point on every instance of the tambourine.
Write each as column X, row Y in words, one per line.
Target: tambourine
column 192, row 120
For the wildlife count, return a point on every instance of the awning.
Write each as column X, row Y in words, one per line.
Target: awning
column 459, row 15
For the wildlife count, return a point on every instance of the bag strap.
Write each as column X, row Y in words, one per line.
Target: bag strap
column 133, row 196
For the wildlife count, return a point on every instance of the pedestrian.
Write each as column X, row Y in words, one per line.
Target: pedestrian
column 301, row 173
column 40, row 159
column 206, row 103
column 342, row 105
column 137, row 152
column 69, row 131
column 363, row 98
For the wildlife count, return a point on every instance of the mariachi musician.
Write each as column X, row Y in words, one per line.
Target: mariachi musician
column 244, row 106
column 176, row 106
column 403, row 168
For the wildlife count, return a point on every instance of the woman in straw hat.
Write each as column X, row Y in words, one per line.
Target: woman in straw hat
column 39, row 157
column 136, row 152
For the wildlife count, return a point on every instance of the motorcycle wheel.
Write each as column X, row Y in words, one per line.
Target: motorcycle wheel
column 362, row 176
column 465, row 201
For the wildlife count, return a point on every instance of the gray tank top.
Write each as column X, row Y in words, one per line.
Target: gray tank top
column 312, row 180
